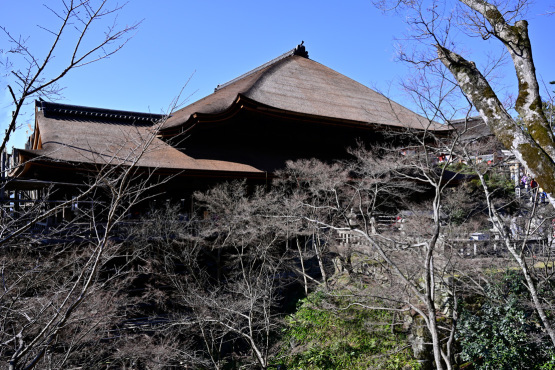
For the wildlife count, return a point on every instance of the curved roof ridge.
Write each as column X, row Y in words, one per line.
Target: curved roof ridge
column 298, row 50
column 268, row 72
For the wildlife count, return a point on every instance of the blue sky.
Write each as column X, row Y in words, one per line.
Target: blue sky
column 216, row 41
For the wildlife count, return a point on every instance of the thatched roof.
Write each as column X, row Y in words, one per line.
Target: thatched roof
column 289, row 86
column 471, row 129
column 295, row 84
column 87, row 135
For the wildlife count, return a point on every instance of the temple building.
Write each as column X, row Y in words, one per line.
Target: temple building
column 289, row 108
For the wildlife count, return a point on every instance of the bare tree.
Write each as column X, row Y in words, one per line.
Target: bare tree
column 313, row 189
column 412, row 271
column 417, row 267
column 37, row 76
column 530, row 137
column 45, row 322
column 532, row 142
column 515, row 244
column 61, row 299
column 234, row 272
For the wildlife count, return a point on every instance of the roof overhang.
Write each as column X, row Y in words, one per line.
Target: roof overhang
column 243, row 103
column 30, row 160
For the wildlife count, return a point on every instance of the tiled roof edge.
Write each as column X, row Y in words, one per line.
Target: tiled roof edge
column 92, row 112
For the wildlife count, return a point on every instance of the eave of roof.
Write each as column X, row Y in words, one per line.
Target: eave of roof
column 243, row 103
column 205, row 167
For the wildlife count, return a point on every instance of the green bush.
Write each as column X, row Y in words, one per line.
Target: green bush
column 503, row 332
column 322, row 335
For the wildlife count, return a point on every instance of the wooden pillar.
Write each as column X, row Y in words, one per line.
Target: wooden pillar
column 16, row 201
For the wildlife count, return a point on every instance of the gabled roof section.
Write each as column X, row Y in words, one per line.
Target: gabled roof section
column 295, row 84
column 75, row 134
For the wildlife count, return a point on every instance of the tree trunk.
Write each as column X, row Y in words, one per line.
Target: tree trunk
column 320, row 260
column 534, row 144
column 530, row 284
column 302, row 265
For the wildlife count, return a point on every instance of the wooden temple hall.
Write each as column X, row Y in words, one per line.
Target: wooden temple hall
column 289, row 108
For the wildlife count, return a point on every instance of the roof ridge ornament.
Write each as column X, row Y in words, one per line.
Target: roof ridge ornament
column 300, row 50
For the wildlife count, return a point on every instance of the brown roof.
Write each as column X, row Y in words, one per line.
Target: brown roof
column 299, row 85
column 103, row 140
column 291, row 84
column 470, row 129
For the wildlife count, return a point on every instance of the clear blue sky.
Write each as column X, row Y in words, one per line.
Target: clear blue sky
column 216, row 41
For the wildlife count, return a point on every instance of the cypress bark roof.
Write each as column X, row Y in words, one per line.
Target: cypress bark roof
column 104, row 137
column 295, row 84
column 288, row 86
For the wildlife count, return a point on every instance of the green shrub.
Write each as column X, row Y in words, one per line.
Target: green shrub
column 503, row 332
column 322, row 335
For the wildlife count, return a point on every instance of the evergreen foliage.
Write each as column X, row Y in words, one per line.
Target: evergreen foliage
column 322, row 335
column 503, row 332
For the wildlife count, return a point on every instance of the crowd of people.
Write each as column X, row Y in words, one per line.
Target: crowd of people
column 532, row 189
